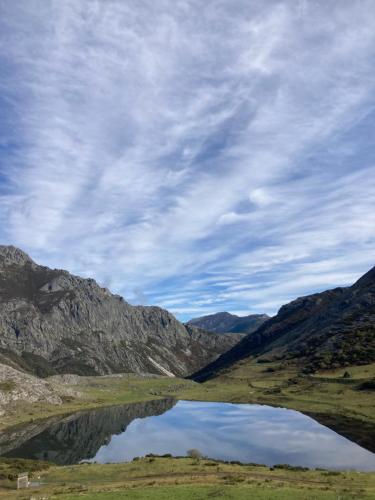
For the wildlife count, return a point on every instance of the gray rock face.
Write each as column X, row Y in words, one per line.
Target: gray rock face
column 325, row 330
column 54, row 322
column 19, row 386
column 224, row 322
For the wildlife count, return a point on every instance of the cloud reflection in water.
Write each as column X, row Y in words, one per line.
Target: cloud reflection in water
column 249, row 433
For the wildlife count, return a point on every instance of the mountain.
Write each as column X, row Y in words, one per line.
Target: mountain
column 54, row 322
column 325, row 330
column 224, row 322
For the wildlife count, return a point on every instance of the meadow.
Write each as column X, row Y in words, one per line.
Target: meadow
column 160, row 478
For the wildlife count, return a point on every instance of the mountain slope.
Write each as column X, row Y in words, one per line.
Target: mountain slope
column 224, row 322
column 54, row 322
column 325, row 330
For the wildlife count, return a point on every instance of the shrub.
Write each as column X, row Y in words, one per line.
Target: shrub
column 291, row 467
column 194, row 453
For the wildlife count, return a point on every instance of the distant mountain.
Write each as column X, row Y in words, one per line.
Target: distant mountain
column 224, row 322
column 325, row 330
column 54, row 322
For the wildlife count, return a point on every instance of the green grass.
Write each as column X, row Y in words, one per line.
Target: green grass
column 192, row 492
column 185, row 478
column 356, row 372
column 11, row 468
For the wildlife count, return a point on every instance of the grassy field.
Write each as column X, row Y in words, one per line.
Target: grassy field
column 185, row 478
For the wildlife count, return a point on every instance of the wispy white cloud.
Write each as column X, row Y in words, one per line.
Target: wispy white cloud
column 202, row 156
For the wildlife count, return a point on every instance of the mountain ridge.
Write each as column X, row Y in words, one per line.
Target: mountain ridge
column 225, row 322
column 324, row 330
column 54, row 322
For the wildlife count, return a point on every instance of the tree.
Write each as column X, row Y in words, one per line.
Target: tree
column 194, row 453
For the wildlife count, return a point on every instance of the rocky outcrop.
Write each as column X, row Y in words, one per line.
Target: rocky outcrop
column 224, row 322
column 54, row 322
column 18, row 386
column 325, row 330
column 76, row 437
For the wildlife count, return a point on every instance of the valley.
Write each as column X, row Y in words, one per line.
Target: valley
column 327, row 396
column 187, row 272
column 73, row 353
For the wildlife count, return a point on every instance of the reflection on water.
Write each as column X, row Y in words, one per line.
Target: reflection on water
column 244, row 432
column 78, row 436
column 249, row 433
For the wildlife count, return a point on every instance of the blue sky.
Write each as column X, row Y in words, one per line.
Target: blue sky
column 201, row 156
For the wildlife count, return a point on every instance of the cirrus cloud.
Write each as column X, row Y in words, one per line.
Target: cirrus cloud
column 210, row 156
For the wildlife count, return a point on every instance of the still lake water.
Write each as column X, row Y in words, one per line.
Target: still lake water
column 244, row 432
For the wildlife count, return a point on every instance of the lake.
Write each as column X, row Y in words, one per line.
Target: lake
column 243, row 432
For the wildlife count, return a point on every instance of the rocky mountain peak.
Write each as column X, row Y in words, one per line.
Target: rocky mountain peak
column 52, row 321
column 10, row 255
column 366, row 280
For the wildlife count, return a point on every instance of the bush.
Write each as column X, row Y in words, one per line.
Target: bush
column 295, row 468
column 194, row 453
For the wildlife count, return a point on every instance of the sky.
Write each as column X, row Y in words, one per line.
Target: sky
column 200, row 156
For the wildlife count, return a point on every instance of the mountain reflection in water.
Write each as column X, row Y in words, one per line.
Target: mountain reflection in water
column 244, row 432
column 76, row 437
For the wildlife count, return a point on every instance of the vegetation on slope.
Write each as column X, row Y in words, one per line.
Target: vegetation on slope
column 326, row 330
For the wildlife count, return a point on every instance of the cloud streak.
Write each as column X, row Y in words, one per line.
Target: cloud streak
column 172, row 147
